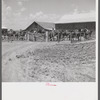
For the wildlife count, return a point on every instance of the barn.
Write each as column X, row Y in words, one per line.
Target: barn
column 40, row 26
column 76, row 25
column 46, row 26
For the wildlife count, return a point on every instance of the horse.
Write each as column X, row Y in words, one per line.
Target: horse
column 66, row 34
column 86, row 33
column 17, row 35
column 74, row 34
column 78, row 34
column 22, row 35
column 10, row 35
column 4, row 34
column 54, row 35
column 51, row 35
column 59, row 35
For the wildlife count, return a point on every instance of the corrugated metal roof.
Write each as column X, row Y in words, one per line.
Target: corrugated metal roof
column 74, row 22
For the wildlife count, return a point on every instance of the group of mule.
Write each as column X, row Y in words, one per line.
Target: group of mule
column 12, row 35
column 71, row 35
column 53, row 35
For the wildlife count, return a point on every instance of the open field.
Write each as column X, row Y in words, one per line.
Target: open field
column 48, row 61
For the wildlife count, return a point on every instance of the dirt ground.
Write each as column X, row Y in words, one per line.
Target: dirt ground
column 48, row 61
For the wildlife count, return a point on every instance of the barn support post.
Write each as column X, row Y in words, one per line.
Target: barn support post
column 71, row 37
column 46, row 36
column 80, row 36
column 28, row 36
column 58, row 37
column 25, row 37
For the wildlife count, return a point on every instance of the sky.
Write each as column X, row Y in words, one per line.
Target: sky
column 19, row 14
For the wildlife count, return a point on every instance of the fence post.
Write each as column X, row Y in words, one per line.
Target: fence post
column 46, row 36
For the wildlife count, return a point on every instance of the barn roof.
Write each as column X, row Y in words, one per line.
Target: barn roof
column 70, row 22
column 46, row 25
column 67, row 22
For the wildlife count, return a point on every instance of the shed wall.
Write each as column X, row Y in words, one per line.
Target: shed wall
column 72, row 26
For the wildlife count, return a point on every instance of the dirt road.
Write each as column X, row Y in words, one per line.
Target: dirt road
column 11, row 67
column 41, row 61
